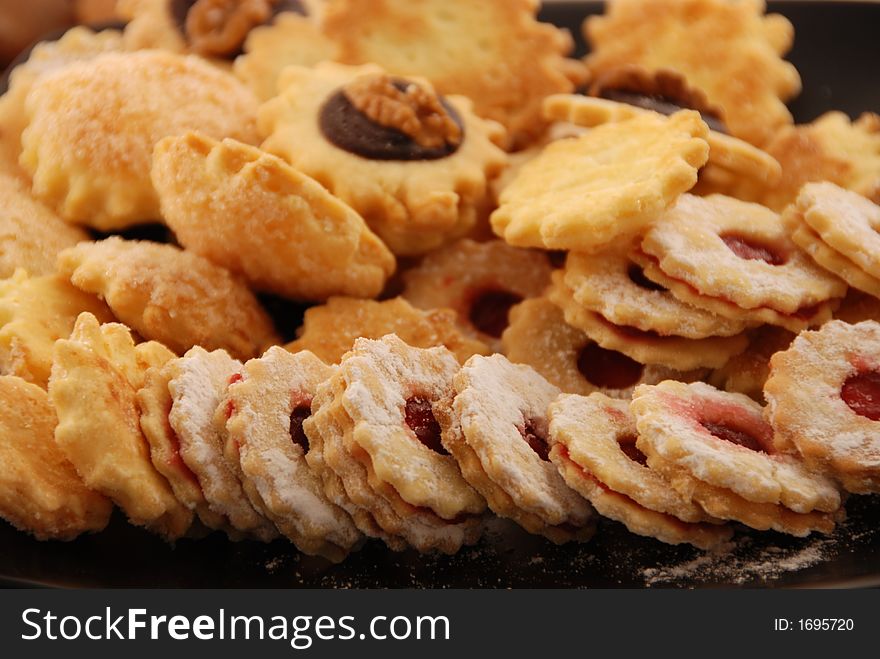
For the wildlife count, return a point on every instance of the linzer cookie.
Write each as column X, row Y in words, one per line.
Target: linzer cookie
column 716, row 448
column 604, row 187
column 495, row 425
column 414, row 164
column 747, row 372
column 255, row 215
column 592, row 443
column 748, row 79
column 822, row 402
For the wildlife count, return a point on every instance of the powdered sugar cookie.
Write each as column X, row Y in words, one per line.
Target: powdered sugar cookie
column 40, row 491
column 330, row 330
column 170, row 295
column 747, row 372
column 91, row 160
column 480, row 282
column 34, row 313
column 748, row 79
column 263, row 416
column 592, row 443
column 494, row 52
column 197, row 386
column 604, row 187
column 496, row 428
column 822, row 401
column 414, row 164
column 96, row 374
column 257, row 216
column 539, row 337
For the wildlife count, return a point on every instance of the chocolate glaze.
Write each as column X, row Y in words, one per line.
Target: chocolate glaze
column 349, row 129
column 665, row 106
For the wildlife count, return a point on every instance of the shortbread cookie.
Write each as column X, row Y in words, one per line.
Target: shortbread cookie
column 263, row 415
column 747, row 372
column 172, row 296
column 414, row 164
column 858, row 306
column 31, row 236
column 34, row 313
column 592, row 443
column 494, row 52
column 496, row 427
column 96, row 374
column 604, row 187
column 721, row 439
column 93, row 125
column 539, row 337
column 40, row 491
column 330, row 330
column 255, row 215
column 645, row 347
column 197, row 386
column 480, row 282
column 748, row 79
column 822, row 401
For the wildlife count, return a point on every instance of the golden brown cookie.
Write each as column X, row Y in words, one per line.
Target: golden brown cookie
column 858, row 306
column 747, row 372
column 92, row 127
column 170, row 295
column 40, row 491
column 330, row 330
column 96, row 374
column 255, row 215
column 414, row 164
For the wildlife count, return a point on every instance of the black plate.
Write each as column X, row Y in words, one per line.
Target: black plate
column 836, row 46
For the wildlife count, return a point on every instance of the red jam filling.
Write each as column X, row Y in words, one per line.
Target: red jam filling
column 297, row 434
column 608, row 369
column 734, row 435
column 419, row 416
column 861, row 392
column 628, row 446
column 637, row 276
column 750, row 250
column 728, row 421
column 535, row 440
column 490, row 309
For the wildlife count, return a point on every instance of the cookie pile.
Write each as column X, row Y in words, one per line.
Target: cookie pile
column 518, row 300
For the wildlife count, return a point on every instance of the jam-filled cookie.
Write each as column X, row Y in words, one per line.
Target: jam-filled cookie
column 822, row 401
column 747, row 372
column 92, row 127
column 748, row 79
column 480, row 282
column 603, row 188
column 568, row 358
column 330, row 330
column 255, row 215
column 414, row 164
column 493, row 51
column 716, row 448
column 858, row 306
column 263, row 414
column 592, row 443
column 496, row 427
column 40, row 491
column 34, row 313
column 170, row 295
column 96, row 374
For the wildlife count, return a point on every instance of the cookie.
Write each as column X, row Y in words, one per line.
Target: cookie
column 592, row 443
column 605, row 187
column 480, row 282
column 330, row 330
column 747, row 372
column 494, row 52
column 263, row 413
column 822, row 402
column 414, row 164
column 170, row 295
column 858, row 306
column 197, row 386
column 40, row 491
column 748, row 79
column 255, row 215
column 496, row 427
column 92, row 127
column 96, row 374
column 34, row 313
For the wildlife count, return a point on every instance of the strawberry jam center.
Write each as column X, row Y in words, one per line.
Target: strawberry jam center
column 628, row 446
column 862, row 393
column 297, row 434
column 490, row 309
column 419, row 416
column 536, row 441
column 608, row 369
column 751, row 250
column 730, row 433
column 637, row 276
